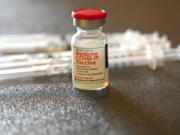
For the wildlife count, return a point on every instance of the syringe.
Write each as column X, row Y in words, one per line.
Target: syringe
column 34, row 62
column 28, row 57
column 154, row 60
column 31, row 43
column 42, row 70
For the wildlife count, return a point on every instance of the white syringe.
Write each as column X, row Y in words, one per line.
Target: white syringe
column 28, row 57
column 41, row 70
column 31, row 43
column 153, row 59
column 34, row 62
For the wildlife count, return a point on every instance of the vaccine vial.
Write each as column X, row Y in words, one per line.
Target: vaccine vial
column 89, row 50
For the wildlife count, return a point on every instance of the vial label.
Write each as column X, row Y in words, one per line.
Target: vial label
column 89, row 64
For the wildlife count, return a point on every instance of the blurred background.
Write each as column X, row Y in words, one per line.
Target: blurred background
column 53, row 16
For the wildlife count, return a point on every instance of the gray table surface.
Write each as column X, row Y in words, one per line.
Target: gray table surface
column 138, row 101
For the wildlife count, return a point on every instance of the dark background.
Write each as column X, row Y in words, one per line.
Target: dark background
column 32, row 16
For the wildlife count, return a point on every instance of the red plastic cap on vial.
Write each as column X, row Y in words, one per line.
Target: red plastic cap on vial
column 89, row 14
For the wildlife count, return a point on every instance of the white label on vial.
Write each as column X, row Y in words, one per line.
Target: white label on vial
column 89, row 65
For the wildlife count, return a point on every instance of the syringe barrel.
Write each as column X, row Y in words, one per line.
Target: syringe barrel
column 129, row 61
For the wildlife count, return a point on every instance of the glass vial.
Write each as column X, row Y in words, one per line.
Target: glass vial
column 89, row 50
